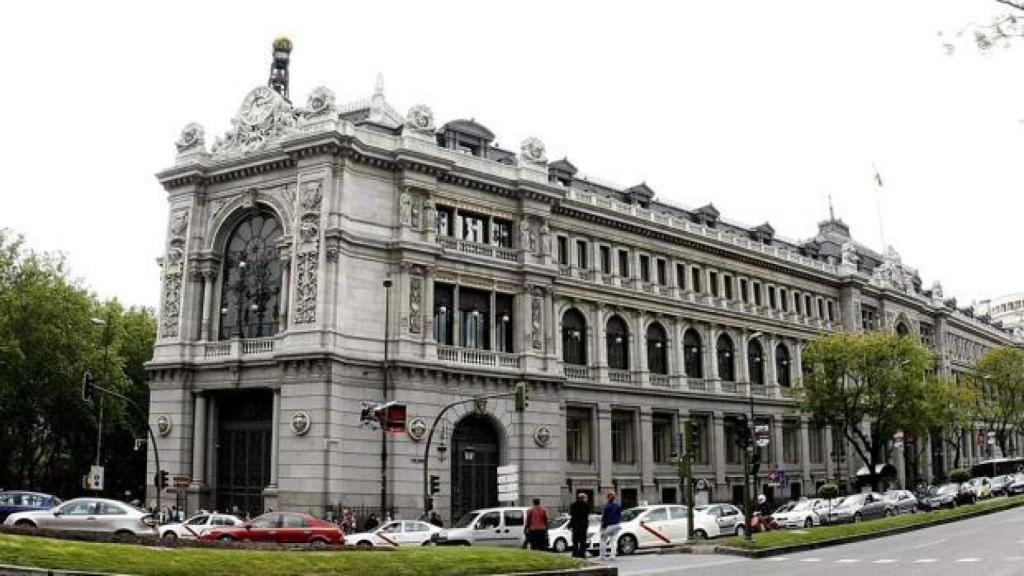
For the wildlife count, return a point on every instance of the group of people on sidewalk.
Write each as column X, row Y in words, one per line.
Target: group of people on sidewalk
column 579, row 524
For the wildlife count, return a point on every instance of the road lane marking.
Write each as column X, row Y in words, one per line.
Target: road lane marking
column 778, row 559
column 925, row 561
column 675, row 569
column 969, row 560
column 884, row 561
column 848, row 561
column 927, row 544
column 810, row 559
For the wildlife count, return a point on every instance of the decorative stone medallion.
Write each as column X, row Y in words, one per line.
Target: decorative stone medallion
column 542, row 436
column 417, row 429
column 163, row 425
column 300, row 423
column 532, row 150
column 420, row 119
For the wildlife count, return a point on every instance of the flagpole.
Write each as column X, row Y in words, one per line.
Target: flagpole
column 878, row 206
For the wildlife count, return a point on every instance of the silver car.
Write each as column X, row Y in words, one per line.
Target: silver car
column 90, row 515
column 903, row 501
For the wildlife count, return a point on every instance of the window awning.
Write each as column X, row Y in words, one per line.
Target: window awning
column 882, row 470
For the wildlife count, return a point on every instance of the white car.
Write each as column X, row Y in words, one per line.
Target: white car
column 560, row 535
column 714, row 520
column 196, row 526
column 90, row 515
column 395, row 534
column 665, row 525
column 802, row 514
column 487, row 527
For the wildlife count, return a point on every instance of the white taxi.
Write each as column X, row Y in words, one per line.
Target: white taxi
column 194, row 527
column 658, row 526
column 713, row 520
column 395, row 534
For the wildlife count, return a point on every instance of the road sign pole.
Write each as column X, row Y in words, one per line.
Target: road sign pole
column 687, row 464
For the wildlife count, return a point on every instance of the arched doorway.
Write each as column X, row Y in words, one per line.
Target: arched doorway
column 475, row 455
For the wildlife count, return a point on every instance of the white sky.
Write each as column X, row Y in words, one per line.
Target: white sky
column 763, row 108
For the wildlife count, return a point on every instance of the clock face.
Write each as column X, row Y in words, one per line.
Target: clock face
column 257, row 106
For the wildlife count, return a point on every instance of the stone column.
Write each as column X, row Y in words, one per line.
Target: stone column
column 604, row 446
column 638, row 347
column 711, row 353
column 778, row 454
column 456, row 318
column 805, row 454
column 647, row 454
column 199, row 441
column 212, row 425
column 718, row 452
column 275, row 438
column 285, row 297
column 600, row 358
column 742, row 364
column 830, row 461
column 208, row 277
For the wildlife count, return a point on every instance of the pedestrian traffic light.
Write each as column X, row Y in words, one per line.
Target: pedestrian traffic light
column 87, row 386
column 522, row 396
column 160, row 480
column 435, row 485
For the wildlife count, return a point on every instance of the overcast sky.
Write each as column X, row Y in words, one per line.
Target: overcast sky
column 763, row 108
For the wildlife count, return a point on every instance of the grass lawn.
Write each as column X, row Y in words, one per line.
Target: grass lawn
column 818, row 534
column 134, row 559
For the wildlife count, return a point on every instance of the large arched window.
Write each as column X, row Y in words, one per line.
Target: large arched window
column 574, row 337
column 691, row 354
column 782, row 366
column 617, row 338
column 657, row 349
column 755, row 362
column 726, row 357
column 251, row 278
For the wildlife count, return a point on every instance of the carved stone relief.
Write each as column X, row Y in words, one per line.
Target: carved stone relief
column 173, row 274
column 415, row 304
column 537, row 319
column 307, row 253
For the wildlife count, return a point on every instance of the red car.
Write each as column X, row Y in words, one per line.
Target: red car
column 282, row 528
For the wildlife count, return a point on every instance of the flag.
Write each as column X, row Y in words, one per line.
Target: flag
column 878, row 177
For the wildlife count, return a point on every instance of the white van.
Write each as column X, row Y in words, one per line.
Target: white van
column 487, row 527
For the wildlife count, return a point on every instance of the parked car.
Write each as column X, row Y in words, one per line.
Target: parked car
column 859, row 507
column 802, row 514
column 714, row 520
column 560, row 535
column 395, row 534
column 487, row 527
column 652, row 527
column 982, row 487
column 196, row 526
column 903, row 501
column 89, row 514
column 17, row 501
column 948, row 496
column 1016, row 484
column 1001, row 484
column 279, row 527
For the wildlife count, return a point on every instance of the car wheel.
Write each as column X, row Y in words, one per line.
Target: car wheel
column 318, row 542
column 169, row 536
column 365, row 544
column 741, row 530
column 808, row 522
column 886, row 513
column 856, row 517
column 226, row 538
column 125, row 536
column 560, row 545
column 25, row 523
column 700, row 535
column 627, row 545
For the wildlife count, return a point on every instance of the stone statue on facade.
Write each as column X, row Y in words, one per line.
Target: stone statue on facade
column 420, row 120
column 405, row 207
column 850, row 257
column 545, row 238
column 532, row 150
column 429, row 215
column 192, row 137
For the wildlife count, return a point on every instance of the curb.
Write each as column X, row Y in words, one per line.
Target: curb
column 777, row 550
column 584, row 571
column 11, row 569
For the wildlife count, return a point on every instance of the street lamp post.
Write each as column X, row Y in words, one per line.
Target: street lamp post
column 106, row 374
column 750, row 481
column 384, row 421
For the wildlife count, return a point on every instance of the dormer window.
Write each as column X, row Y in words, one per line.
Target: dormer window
column 706, row 216
column 466, row 137
column 763, row 234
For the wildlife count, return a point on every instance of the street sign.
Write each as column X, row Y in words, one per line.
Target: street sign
column 508, row 483
column 95, row 478
column 762, row 435
column 180, row 481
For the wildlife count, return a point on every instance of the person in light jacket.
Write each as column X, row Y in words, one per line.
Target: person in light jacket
column 611, row 518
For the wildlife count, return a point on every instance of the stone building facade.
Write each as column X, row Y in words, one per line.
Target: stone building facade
column 1007, row 311
column 626, row 316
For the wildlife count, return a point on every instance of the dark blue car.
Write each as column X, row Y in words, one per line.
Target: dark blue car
column 11, row 502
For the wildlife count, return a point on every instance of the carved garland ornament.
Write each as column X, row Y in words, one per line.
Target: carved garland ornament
column 536, row 319
column 173, row 274
column 415, row 304
column 307, row 256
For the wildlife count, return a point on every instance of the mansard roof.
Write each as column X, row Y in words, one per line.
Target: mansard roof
column 470, row 127
column 563, row 165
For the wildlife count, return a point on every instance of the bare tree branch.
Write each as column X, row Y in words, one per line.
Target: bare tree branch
column 1012, row 4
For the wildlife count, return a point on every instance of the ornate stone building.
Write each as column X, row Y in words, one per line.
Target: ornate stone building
column 1007, row 311
column 627, row 316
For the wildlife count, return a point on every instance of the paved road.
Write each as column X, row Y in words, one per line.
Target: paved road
column 990, row 545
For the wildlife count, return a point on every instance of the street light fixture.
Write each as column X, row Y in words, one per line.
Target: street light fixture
column 384, row 423
column 106, row 354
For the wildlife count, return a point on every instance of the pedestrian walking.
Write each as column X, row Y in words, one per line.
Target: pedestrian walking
column 435, row 519
column 611, row 517
column 537, row 526
column 371, row 522
column 579, row 521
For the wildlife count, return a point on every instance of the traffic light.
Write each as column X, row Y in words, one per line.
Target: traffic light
column 87, row 385
column 755, row 463
column 435, row 485
column 430, row 504
column 743, row 434
column 694, row 446
column 522, row 396
column 160, row 480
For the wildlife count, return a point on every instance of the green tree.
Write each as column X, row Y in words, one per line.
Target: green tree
column 870, row 385
column 47, row 341
column 949, row 408
column 998, row 379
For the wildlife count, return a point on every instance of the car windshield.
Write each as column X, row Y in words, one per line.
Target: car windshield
column 467, row 519
column 853, row 501
column 632, row 513
column 804, row 505
column 949, row 489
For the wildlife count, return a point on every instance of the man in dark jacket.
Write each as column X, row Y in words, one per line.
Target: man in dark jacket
column 579, row 521
column 611, row 518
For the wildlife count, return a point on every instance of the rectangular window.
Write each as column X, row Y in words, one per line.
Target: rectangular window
column 662, row 277
column 703, row 452
column 474, row 227
column 622, row 437
column 815, row 443
column 504, row 322
column 563, row 250
column 624, row 263
column 577, row 435
column 829, row 311
column 661, row 428
column 796, row 302
column 808, row 311
column 681, row 276
column 727, row 281
column 791, row 442
column 645, row 268
column 744, row 294
column 501, row 233
column 821, row 308
column 730, row 429
column 695, row 279
column 771, row 298
column 713, row 283
column 581, row 254
column 606, row 260
column 757, row 293
column 785, row 301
